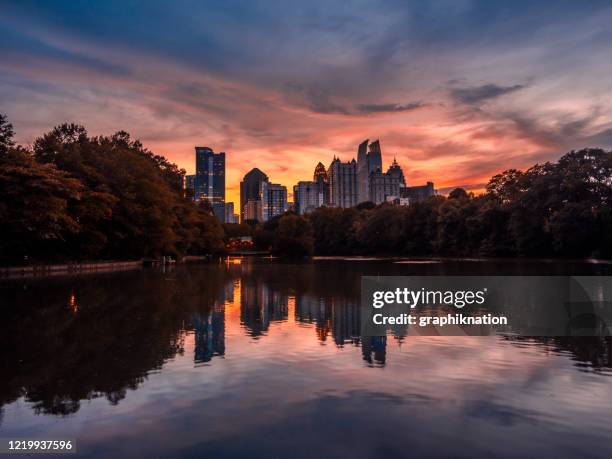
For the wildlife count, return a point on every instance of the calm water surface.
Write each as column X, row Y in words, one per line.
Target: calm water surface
column 263, row 358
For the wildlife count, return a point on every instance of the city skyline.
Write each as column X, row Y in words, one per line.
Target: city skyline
column 342, row 184
column 283, row 87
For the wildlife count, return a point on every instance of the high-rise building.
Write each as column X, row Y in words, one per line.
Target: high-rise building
column 307, row 196
column 230, row 216
column 322, row 180
column 384, row 186
column 209, row 180
column 274, row 201
column 363, row 173
column 259, row 199
column 250, row 191
column 320, row 174
column 396, row 171
column 374, row 157
column 252, row 210
column 369, row 161
column 342, row 183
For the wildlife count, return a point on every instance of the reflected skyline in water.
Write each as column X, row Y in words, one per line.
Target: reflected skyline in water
column 141, row 353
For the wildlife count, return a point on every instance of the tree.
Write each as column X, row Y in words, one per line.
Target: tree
column 381, row 229
column 6, row 135
column 293, row 236
column 123, row 200
column 458, row 193
column 335, row 230
column 38, row 210
column 237, row 230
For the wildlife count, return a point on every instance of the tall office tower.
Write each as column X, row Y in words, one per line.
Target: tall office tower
column 342, row 183
column 369, row 161
column 209, row 182
column 322, row 180
column 252, row 211
column 274, row 201
column 307, row 197
column 230, row 216
column 250, row 191
column 363, row 192
column 374, row 157
column 384, row 186
column 396, row 171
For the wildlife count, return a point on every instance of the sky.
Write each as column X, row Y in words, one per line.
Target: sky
column 456, row 90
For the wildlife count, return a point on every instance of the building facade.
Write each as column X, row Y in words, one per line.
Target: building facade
column 418, row 193
column 209, row 180
column 385, row 186
column 307, row 196
column 342, row 183
column 259, row 199
column 322, row 180
column 250, row 192
column 369, row 161
column 275, row 201
column 363, row 173
column 252, row 211
column 230, row 216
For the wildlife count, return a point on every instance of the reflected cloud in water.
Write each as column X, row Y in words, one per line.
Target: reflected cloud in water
column 225, row 343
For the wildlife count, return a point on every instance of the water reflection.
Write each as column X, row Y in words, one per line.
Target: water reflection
column 70, row 340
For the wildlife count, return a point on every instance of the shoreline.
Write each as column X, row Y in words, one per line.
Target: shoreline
column 8, row 272
column 12, row 272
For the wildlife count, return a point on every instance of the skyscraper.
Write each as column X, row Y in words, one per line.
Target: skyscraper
column 275, row 201
column 312, row 195
column 230, row 217
column 342, row 183
column 307, row 196
column 209, row 181
column 369, row 161
column 383, row 186
column 396, row 171
column 259, row 199
column 374, row 157
column 363, row 173
column 321, row 178
column 250, row 191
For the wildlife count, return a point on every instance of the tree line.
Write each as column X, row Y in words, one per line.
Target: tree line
column 75, row 197
column 556, row 209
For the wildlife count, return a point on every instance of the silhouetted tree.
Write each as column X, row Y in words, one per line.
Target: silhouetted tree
column 293, row 236
column 98, row 197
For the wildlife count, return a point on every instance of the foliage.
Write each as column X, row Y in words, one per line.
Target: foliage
column 561, row 209
column 293, row 236
column 237, row 230
column 80, row 197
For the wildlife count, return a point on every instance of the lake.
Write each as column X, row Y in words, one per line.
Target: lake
column 263, row 358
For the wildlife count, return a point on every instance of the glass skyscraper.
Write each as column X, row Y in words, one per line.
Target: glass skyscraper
column 259, row 199
column 209, row 181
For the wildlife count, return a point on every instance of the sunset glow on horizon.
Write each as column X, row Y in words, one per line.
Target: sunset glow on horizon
column 455, row 90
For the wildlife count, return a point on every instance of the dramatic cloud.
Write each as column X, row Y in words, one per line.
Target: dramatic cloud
column 386, row 108
column 481, row 93
column 456, row 90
